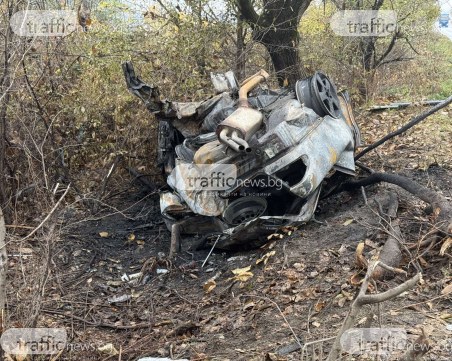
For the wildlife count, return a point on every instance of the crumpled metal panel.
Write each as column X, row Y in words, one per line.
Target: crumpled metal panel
column 191, row 118
column 251, row 234
column 170, row 203
column 202, row 202
column 185, row 110
column 319, row 142
column 297, row 133
column 223, row 107
column 294, row 144
column 224, row 82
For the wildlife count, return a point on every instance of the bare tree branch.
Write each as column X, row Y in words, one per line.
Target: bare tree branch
column 417, row 119
column 364, row 299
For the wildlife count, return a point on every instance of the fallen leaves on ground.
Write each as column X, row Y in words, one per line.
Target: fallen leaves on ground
column 361, row 261
column 242, row 274
column 446, row 245
column 265, row 257
column 209, row 285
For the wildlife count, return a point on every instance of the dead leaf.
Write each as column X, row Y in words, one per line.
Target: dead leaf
column 292, row 275
column 347, row 222
column 275, row 236
column 341, row 301
column 265, row 257
column 361, row 261
column 446, row 290
column 319, row 305
column 355, row 279
column 114, row 283
column 243, row 277
column 209, row 286
column 242, row 274
column 445, row 246
column 248, row 305
column 288, row 230
column 268, row 245
column 25, row 250
column 273, row 357
column 104, row 234
column 108, row 349
column 347, row 295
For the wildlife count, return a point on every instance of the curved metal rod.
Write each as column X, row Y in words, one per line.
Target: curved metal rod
column 249, row 84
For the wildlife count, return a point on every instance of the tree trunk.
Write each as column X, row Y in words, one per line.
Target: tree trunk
column 5, row 84
column 277, row 29
column 240, row 50
column 285, row 58
column 3, row 264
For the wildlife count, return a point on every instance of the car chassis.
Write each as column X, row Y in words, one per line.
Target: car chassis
column 281, row 144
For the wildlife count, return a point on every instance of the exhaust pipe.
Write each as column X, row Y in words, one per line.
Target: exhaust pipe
column 243, row 145
column 249, row 84
column 225, row 139
column 236, row 129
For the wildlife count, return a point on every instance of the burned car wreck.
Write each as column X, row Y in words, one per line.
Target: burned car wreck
column 274, row 148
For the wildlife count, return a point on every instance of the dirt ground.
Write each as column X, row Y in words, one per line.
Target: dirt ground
column 107, row 280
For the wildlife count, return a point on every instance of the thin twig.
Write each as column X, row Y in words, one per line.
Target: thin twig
column 364, row 299
column 211, row 250
column 48, row 216
column 281, row 312
column 100, row 324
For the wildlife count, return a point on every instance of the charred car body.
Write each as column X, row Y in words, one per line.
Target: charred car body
column 278, row 146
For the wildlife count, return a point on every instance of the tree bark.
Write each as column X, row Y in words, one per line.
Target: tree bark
column 391, row 254
column 240, row 50
column 442, row 208
column 276, row 27
column 283, row 51
column 3, row 264
column 364, row 299
column 5, row 95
